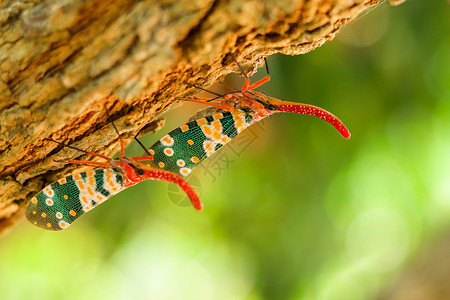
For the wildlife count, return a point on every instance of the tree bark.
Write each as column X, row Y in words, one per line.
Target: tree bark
column 63, row 62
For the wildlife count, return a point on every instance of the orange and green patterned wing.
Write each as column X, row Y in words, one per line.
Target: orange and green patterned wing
column 61, row 203
column 185, row 147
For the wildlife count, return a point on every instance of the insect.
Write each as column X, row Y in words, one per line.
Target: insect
column 184, row 148
column 59, row 204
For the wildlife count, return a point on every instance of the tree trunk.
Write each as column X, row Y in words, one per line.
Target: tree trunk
column 63, row 62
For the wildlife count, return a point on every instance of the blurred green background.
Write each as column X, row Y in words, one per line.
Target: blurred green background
column 292, row 210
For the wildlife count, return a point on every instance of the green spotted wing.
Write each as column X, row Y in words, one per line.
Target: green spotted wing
column 184, row 148
column 61, row 203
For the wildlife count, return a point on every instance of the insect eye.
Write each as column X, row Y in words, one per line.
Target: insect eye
column 271, row 107
column 139, row 171
column 267, row 106
column 261, row 102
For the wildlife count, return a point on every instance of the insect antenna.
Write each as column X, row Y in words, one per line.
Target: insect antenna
column 81, row 150
column 267, row 66
column 69, row 146
column 218, row 96
column 122, row 145
column 112, row 122
column 239, row 66
column 215, row 98
column 141, row 132
column 141, row 144
column 205, row 90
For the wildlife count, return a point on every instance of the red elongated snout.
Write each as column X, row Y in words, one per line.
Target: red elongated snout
column 150, row 173
column 306, row 109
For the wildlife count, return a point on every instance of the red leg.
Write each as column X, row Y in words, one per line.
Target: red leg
column 248, row 87
column 258, row 83
column 122, row 148
column 246, row 84
column 140, row 158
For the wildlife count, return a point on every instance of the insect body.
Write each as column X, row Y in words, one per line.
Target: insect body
column 184, row 148
column 261, row 106
column 59, row 204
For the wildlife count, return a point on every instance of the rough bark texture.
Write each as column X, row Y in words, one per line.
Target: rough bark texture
column 62, row 62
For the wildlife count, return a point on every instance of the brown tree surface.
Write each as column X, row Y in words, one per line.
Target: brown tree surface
column 62, row 62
